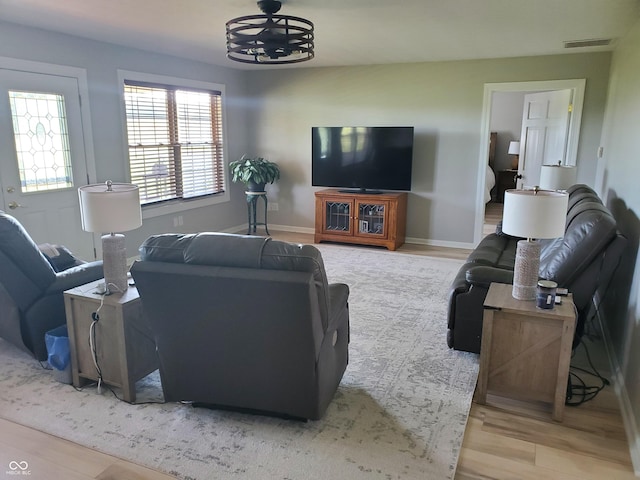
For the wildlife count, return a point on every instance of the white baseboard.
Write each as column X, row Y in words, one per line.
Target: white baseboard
column 237, row 229
column 626, row 410
column 628, row 419
column 417, row 241
column 439, row 243
column 242, row 229
column 289, row 228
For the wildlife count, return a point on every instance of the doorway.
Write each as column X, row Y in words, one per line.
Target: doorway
column 46, row 151
column 577, row 88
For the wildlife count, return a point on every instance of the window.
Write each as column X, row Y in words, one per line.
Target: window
column 175, row 141
column 42, row 141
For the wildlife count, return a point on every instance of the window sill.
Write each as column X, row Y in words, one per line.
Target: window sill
column 176, row 206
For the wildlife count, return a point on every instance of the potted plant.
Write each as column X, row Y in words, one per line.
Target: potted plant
column 254, row 172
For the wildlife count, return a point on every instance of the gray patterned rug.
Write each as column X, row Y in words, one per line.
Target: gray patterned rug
column 399, row 413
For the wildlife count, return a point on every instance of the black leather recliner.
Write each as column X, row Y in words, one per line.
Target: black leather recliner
column 582, row 261
column 244, row 322
column 32, row 286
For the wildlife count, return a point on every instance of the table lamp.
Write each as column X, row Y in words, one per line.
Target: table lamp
column 108, row 208
column 557, row 177
column 514, row 149
column 532, row 214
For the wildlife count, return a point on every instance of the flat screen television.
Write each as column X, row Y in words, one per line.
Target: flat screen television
column 364, row 159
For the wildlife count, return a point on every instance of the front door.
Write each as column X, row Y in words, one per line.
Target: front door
column 545, row 129
column 42, row 157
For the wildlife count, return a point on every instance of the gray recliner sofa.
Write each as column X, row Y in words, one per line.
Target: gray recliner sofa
column 32, row 286
column 244, row 322
column 582, row 261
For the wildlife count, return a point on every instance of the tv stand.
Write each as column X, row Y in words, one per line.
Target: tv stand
column 371, row 218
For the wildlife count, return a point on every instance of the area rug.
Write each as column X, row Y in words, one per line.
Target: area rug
column 399, row 413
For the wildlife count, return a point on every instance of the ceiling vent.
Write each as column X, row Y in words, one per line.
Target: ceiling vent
column 594, row 42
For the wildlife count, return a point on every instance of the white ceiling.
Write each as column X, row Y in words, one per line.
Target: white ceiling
column 347, row 32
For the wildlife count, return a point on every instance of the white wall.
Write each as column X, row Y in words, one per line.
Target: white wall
column 101, row 61
column 619, row 176
column 442, row 100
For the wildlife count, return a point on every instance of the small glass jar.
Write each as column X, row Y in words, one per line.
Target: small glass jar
column 546, row 295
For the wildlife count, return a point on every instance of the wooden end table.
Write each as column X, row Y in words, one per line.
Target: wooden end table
column 526, row 351
column 125, row 349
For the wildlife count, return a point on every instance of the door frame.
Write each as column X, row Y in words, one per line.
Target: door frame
column 578, row 87
column 80, row 75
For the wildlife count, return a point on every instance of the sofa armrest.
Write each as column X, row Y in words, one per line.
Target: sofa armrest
column 75, row 276
column 10, row 320
column 338, row 297
column 484, row 275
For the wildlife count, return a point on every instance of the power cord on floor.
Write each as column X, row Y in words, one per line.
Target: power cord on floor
column 45, row 366
column 91, row 385
column 581, row 390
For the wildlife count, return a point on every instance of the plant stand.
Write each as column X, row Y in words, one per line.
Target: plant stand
column 252, row 207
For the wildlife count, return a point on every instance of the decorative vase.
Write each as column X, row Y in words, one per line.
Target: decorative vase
column 255, row 187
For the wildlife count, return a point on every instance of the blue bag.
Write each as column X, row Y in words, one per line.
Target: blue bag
column 57, row 342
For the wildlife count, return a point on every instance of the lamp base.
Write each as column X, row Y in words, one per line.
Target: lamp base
column 525, row 271
column 114, row 262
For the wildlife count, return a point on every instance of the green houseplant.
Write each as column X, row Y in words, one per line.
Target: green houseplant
column 254, row 172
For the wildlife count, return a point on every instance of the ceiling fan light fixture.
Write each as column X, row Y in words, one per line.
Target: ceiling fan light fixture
column 269, row 38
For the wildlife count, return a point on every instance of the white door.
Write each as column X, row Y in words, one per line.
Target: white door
column 545, row 129
column 42, row 157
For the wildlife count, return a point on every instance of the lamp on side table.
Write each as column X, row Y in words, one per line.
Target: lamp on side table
column 108, row 208
column 532, row 215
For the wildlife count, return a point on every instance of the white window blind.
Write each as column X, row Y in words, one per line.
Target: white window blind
column 175, row 141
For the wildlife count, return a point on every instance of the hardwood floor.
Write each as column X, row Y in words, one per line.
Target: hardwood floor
column 505, row 440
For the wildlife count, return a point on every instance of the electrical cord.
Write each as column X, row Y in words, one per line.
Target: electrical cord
column 95, row 316
column 91, row 385
column 591, row 332
column 45, row 366
column 94, row 353
column 582, row 390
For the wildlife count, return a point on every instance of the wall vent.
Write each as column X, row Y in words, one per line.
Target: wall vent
column 594, row 42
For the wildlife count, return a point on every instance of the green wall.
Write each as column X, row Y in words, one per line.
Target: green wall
column 619, row 173
column 442, row 100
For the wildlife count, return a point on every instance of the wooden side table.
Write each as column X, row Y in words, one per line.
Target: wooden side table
column 526, row 351
column 125, row 349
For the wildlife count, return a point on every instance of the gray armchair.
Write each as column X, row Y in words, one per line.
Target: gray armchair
column 32, row 286
column 244, row 322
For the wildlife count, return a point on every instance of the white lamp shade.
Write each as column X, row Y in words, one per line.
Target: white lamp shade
column 514, row 148
column 557, row 177
column 534, row 213
column 110, row 210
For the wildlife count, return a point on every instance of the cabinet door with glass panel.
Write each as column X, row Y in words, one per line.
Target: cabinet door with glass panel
column 337, row 215
column 361, row 218
column 371, row 218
